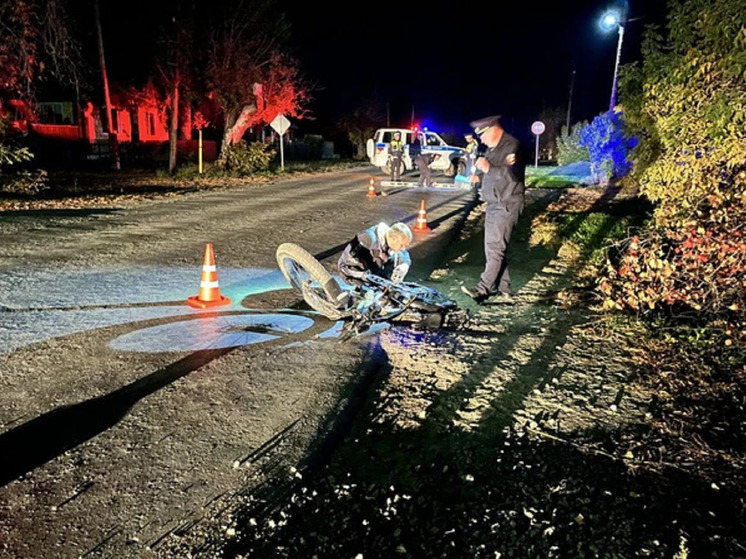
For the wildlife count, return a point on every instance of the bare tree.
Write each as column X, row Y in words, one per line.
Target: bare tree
column 63, row 55
column 176, row 69
column 19, row 46
column 36, row 43
column 553, row 118
column 244, row 59
column 362, row 123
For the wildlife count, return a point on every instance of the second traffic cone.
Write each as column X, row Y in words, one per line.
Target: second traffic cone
column 209, row 291
column 372, row 188
column 421, row 226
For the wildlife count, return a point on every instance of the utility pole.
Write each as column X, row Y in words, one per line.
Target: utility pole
column 176, row 62
column 411, row 120
column 174, row 124
column 569, row 103
column 612, row 102
column 388, row 115
column 113, row 143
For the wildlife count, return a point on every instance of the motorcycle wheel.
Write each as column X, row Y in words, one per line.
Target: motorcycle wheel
column 308, row 276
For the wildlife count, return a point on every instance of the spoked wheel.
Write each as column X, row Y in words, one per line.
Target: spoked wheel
column 309, row 277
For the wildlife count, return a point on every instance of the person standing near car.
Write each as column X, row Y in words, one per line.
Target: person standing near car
column 396, row 150
column 472, row 145
column 422, row 160
column 502, row 171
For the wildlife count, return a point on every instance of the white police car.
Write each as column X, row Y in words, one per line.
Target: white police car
column 449, row 160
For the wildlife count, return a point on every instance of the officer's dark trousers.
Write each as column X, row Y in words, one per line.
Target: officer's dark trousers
column 498, row 225
column 395, row 163
column 426, row 177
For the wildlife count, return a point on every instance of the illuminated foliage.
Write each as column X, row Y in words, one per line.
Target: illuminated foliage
column 10, row 154
column 608, row 146
column 244, row 159
column 569, row 149
column 687, row 103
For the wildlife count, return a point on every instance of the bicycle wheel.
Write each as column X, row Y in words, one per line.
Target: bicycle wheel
column 308, row 276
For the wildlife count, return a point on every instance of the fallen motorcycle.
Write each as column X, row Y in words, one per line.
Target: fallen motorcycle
column 376, row 300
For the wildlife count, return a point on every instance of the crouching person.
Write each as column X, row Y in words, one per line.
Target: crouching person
column 380, row 250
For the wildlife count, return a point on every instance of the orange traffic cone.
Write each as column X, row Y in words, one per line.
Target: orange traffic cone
column 372, row 188
column 209, row 292
column 421, row 226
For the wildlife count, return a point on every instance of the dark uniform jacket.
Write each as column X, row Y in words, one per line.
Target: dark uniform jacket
column 503, row 184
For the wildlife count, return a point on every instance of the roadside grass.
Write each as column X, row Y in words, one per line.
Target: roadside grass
column 581, row 230
column 546, row 176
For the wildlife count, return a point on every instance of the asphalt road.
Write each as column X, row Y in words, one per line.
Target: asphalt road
column 127, row 417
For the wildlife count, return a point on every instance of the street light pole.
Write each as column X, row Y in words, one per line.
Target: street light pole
column 612, row 103
column 569, row 102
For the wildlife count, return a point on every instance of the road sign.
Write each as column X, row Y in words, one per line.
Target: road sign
column 538, row 127
column 280, row 124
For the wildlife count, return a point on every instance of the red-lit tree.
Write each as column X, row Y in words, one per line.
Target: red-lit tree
column 19, row 44
column 247, row 73
column 35, row 44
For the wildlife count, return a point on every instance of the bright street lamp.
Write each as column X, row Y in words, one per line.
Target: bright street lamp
column 611, row 19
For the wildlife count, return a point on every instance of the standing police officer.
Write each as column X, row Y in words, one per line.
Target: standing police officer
column 422, row 160
column 502, row 173
column 471, row 152
column 396, row 150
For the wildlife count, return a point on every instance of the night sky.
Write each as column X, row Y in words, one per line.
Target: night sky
column 453, row 62
column 458, row 64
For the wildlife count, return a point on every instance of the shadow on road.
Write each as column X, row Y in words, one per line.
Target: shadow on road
column 38, row 441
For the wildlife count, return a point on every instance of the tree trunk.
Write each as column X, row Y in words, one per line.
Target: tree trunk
column 234, row 130
column 186, row 122
column 243, row 122
column 227, row 139
column 174, row 128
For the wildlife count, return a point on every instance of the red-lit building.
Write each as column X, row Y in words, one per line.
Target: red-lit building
column 140, row 118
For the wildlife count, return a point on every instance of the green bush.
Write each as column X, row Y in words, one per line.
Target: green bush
column 687, row 104
column 13, row 153
column 569, row 149
column 246, row 159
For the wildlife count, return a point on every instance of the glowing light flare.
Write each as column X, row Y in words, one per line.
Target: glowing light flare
column 610, row 20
